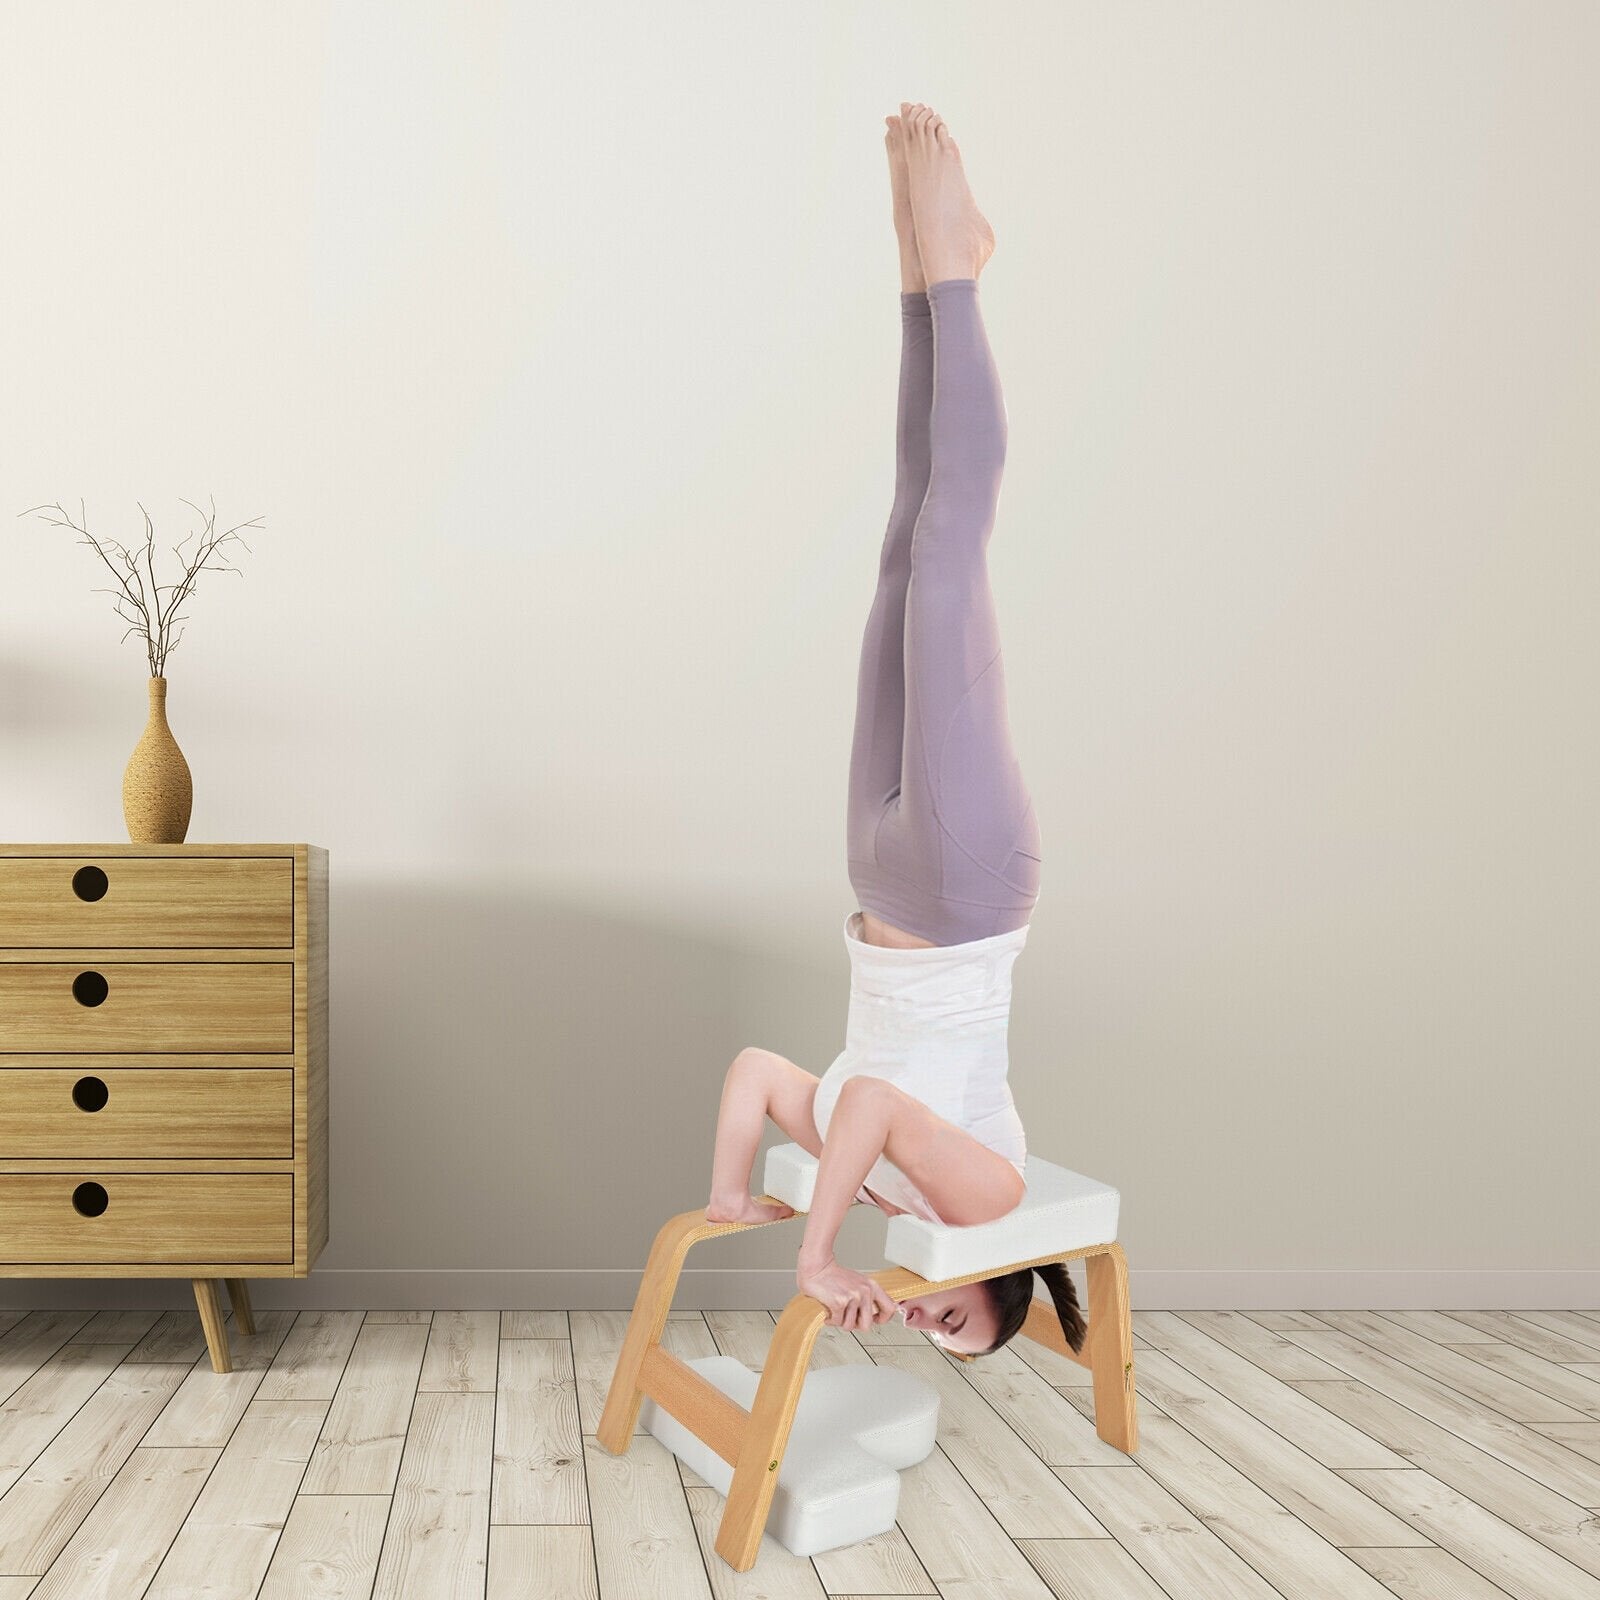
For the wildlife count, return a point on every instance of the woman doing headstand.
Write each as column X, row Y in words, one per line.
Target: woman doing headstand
column 916, row 1113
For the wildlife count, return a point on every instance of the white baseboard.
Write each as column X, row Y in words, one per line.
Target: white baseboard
column 702, row 1289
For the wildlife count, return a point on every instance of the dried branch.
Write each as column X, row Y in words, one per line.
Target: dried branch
column 157, row 643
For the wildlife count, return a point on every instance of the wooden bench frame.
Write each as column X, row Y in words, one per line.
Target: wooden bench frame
column 752, row 1442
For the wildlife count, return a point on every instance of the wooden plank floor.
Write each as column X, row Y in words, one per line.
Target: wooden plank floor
column 451, row 1455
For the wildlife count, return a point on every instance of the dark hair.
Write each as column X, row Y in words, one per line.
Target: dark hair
column 1011, row 1294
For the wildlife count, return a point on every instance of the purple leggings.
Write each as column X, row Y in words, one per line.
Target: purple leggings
column 941, row 834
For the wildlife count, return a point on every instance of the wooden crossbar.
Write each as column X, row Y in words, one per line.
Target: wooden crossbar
column 752, row 1442
column 696, row 1402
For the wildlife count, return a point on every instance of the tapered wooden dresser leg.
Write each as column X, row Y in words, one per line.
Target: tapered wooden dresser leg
column 239, row 1294
column 205, row 1297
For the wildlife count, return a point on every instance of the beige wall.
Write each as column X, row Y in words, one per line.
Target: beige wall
column 557, row 347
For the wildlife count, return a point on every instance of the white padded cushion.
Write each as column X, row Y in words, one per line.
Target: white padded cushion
column 1061, row 1210
column 839, row 1480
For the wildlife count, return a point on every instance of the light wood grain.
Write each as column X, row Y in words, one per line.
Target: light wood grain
column 962, row 1548
column 644, row 1538
column 1573, row 1325
column 1509, row 1327
column 883, row 1565
column 744, row 1335
column 596, row 1343
column 1263, row 1347
column 1279, row 1321
column 1183, row 1555
column 116, row 1327
column 44, row 1404
column 1520, row 1565
column 1323, row 1437
column 195, row 1112
column 541, row 1563
column 1273, row 1461
column 1090, row 1569
column 534, row 1325
column 1583, row 1437
column 174, row 1336
column 312, row 1357
column 43, row 1508
column 1440, row 1326
column 122, row 1541
column 1229, row 1468
column 1465, row 1375
column 151, row 1005
column 208, row 1405
column 1058, row 1433
column 1574, row 1384
column 1519, row 1446
column 1427, row 1573
column 837, row 1347
column 365, row 1432
column 31, row 1341
column 538, row 1447
column 172, row 896
column 784, row 1575
column 437, row 1540
column 1271, row 1539
column 1559, row 1523
column 463, row 1347
column 1023, row 1495
column 328, row 1549
column 227, row 1539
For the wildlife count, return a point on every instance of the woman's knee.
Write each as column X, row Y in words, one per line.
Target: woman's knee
column 752, row 1058
column 864, row 1089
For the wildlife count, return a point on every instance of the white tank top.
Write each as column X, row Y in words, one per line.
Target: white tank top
column 932, row 1019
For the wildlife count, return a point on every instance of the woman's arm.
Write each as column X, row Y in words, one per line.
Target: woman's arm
column 858, row 1132
column 857, row 1135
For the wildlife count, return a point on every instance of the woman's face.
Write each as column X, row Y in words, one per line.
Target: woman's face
column 961, row 1319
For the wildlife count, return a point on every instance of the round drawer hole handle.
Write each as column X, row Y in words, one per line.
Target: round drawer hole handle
column 89, row 1199
column 90, row 1094
column 90, row 988
column 90, row 883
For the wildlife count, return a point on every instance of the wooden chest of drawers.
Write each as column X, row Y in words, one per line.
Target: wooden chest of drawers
column 164, row 1065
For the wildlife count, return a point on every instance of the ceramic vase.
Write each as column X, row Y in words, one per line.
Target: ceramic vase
column 157, row 791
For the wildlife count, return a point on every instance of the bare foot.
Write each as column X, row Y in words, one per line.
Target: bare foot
column 953, row 236
column 746, row 1208
column 905, row 229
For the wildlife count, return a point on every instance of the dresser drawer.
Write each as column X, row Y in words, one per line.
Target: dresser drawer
column 147, row 1005
column 202, row 1218
column 144, row 902
column 176, row 1114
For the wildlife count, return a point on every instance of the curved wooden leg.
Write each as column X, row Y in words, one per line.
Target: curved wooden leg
column 650, row 1307
column 755, row 1473
column 239, row 1294
column 205, row 1297
column 1110, row 1348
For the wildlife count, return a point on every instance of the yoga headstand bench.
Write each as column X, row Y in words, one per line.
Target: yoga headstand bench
column 1064, row 1217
